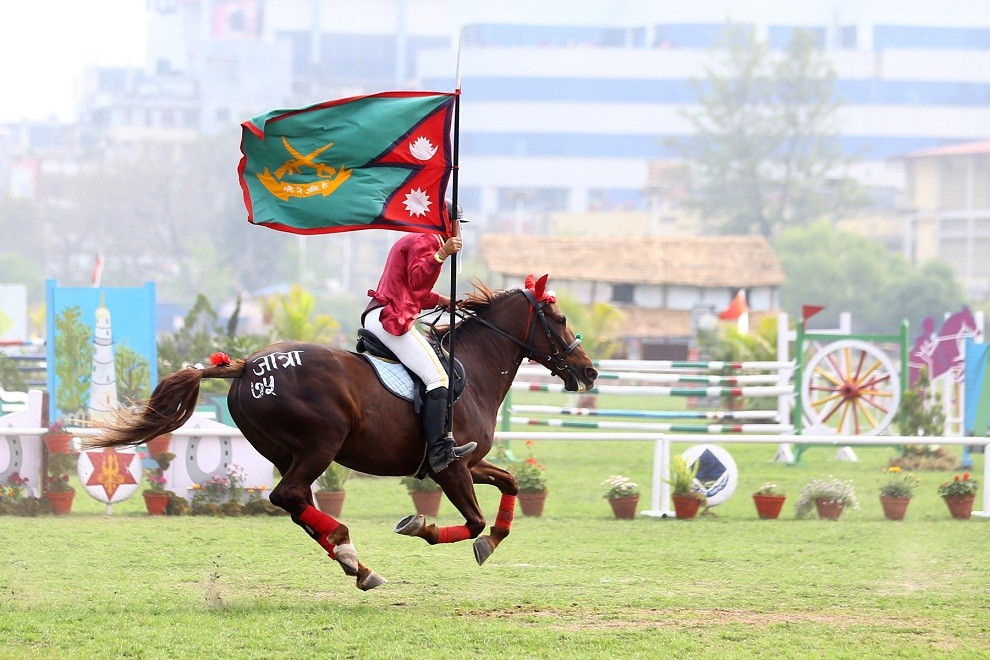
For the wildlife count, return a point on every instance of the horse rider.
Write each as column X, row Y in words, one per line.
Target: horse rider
column 405, row 289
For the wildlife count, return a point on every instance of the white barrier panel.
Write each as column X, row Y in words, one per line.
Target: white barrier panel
column 204, row 449
column 21, row 444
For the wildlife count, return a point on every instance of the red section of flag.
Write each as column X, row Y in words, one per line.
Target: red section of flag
column 426, row 174
column 736, row 308
column 807, row 311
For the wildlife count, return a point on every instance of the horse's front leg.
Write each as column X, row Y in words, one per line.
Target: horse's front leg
column 486, row 473
column 456, row 482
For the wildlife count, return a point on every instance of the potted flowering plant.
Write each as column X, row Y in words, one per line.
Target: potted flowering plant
column 330, row 496
column 622, row 494
column 58, row 440
column 959, row 495
column 769, row 500
column 684, row 493
column 11, row 493
column 155, row 496
column 896, row 492
column 221, row 493
column 828, row 496
column 425, row 494
column 531, row 479
column 58, row 491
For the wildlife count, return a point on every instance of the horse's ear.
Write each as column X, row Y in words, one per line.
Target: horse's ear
column 541, row 287
column 529, row 282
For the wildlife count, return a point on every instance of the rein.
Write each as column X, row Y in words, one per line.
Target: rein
column 560, row 350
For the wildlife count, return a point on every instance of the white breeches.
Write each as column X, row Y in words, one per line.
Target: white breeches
column 412, row 349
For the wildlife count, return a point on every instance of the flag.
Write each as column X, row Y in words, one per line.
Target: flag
column 367, row 162
column 736, row 307
column 738, row 311
column 807, row 311
column 97, row 275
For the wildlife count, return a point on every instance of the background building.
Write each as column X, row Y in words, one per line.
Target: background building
column 662, row 285
column 567, row 107
column 948, row 189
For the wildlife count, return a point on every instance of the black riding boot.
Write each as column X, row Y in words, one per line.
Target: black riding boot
column 440, row 449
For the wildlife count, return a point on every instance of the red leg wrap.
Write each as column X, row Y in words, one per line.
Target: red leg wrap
column 453, row 534
column 323, row 525
column 506, row 510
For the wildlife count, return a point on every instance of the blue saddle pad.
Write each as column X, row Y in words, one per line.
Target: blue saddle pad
column 393, row 376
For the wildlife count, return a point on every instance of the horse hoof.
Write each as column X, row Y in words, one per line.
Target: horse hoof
column 482, row 549
column 373, row 580
column 410, row 525
column 347, row 556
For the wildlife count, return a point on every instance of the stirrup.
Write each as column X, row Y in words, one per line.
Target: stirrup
column 440, row 462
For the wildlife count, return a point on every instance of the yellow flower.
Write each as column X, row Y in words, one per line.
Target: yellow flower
column 895, row 469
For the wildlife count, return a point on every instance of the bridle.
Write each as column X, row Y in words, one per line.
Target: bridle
column 561, row 350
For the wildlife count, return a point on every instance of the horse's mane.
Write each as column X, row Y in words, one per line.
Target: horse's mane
column 479, row 301
column 482, row 298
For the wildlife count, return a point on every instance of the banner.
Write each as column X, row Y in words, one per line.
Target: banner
column 368, row 162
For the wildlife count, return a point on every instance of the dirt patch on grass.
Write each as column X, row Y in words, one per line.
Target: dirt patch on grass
column 576, row 618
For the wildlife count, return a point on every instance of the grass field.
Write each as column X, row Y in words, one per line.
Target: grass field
column 575, row 583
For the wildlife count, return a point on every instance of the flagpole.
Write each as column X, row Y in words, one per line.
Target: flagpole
column 453, row 220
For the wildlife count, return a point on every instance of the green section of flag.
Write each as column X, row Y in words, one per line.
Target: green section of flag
column 337, row 166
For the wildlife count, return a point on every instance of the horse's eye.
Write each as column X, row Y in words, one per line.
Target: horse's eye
column 562, row 320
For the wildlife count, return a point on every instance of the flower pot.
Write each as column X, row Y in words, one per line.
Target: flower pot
column 829, row 509
column 685, row 506
column 768, row 506
column 894, row 508
column 531, row 504
column 155, row 503
column 331, row 502
column 61, row 501
column 624, row 507
column 58, row 442
column 960, row 506
column 427, row 503
column 159, row 444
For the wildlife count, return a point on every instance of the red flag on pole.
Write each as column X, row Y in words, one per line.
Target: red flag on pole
column 97, row 269
column 807, row 311
column 736, row 308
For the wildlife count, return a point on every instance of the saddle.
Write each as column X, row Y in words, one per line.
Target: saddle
column 396, row 378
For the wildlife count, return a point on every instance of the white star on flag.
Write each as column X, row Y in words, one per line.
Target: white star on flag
column 417, row 202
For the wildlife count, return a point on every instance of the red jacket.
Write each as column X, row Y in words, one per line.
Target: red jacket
column 406, row 286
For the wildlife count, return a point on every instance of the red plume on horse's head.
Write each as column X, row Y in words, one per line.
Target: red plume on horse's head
column 539, row 289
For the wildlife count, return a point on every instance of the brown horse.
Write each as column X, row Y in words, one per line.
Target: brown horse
column 304, row 405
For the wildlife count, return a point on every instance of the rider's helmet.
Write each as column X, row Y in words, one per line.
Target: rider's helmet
column 460, row 211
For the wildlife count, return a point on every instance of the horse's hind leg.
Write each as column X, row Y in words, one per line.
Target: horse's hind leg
column 294, row 494
column 486, row 473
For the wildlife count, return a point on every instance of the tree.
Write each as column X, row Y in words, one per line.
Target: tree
column 133, row 375
column 293, row 315
column 73, row 361
column 599, row 325
column 765, row 154
column 201, row 335
column 847, row 272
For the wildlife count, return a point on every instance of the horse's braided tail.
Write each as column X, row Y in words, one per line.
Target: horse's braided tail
column 172, row 404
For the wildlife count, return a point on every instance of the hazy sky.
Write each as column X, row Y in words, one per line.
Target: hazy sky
column 46, row 45
column 44, row 48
